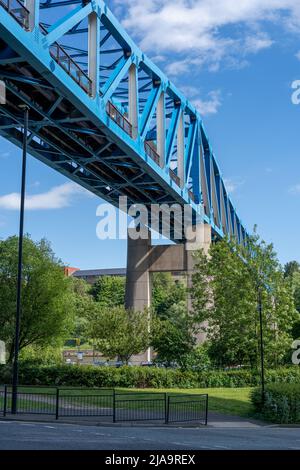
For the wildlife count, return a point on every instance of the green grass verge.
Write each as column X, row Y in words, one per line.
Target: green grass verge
column 230, row 401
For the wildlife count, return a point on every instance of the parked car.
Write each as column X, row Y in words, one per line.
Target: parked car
column 118, row 363
column 100, row 363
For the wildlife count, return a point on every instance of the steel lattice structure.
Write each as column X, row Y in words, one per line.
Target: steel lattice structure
column 103, row 114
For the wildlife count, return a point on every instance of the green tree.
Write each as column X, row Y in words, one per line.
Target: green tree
column 118, row 332
column 166, row 292
column 47, row 301
column 109, row 291
column 278, row 306
column 84, row 307
column 225, row 292
column 291, row 268
column 173, row 335
column 295, row 282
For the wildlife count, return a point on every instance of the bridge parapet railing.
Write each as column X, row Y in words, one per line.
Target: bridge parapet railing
column 18, row 10
column 192, row 195
column 61, row 56
column 174, row 177
column 151, row 151
column 119, row 118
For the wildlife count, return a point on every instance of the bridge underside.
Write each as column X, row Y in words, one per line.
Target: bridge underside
column 68, row 141
column 103, row 114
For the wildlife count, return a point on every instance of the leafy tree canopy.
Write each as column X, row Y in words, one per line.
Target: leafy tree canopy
column 117, row 332
column 109, row 291
column 166, row 292
column 47, row 300
column 228, row 302
column 291, row 268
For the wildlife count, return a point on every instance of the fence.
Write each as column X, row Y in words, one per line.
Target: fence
column 140, row 406
column 106, row 402
column 18, row 10
column 151, row 151
column 119, row 118
column 61, row 56
column 187, row 408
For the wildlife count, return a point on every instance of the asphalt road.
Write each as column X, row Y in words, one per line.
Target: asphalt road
column 54, row 436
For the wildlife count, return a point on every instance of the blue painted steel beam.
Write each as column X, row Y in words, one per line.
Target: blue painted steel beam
column 65, row 75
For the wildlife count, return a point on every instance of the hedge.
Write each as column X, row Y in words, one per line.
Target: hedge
column 142, row 377
column 281, row 403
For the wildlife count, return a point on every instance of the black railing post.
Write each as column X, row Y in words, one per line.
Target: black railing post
column 167, row 408
column 114, row 406
column 5, row 400
column 206, row 410
column 57, row 404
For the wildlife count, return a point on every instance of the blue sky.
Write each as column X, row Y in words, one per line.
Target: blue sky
column 236, row 61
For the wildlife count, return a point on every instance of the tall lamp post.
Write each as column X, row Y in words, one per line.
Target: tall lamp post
column 262, row 360
column 20, row 264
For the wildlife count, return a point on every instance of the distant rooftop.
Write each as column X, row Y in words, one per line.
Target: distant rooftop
column 100, row 272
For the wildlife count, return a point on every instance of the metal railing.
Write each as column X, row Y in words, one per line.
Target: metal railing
column 60, row 55
column 174, row 177
column 151, row 151
column 18, row 10
column 119, row 118
column 3, row 398
column 106, row 402
column 85, row 402
column 187, row 408
column 139, row 406
column 192, row 195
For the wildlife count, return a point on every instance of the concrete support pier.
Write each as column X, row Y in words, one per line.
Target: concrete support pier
column 138, row 291
column 144, row 259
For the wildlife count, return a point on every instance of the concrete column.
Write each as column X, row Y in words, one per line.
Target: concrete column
column 93, row 51
column 137, row 275
column 133, row 100
column 202, row 239
column 161, row 129
column 138, row 288
column 180, row 150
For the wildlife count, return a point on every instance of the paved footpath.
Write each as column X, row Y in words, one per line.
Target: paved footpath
column 24, row 435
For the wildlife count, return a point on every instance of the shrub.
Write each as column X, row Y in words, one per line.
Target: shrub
column 281, row 403
column 31, row 373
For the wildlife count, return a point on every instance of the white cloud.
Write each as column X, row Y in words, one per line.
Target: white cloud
column 197, row 30
column 254, row 44
column 232, row 185
column 295, row 190
column 56, row 198
column 209, row 105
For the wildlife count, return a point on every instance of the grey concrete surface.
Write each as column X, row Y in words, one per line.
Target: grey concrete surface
column 55, row 436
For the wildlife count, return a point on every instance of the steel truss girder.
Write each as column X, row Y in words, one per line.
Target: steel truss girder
column 201, row 176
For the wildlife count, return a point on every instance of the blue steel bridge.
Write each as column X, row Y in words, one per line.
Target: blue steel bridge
column 103, row 114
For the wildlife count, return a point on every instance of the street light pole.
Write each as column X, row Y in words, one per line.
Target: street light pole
column 20, row 263
column 262, row 360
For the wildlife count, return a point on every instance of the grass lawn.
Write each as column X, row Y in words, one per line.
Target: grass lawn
column 231, row 401
column 234, row 401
